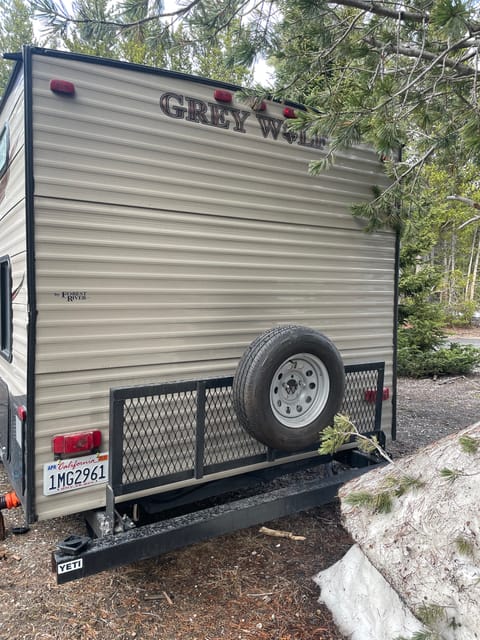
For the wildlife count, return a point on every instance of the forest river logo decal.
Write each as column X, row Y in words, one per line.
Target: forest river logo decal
column 212, row 114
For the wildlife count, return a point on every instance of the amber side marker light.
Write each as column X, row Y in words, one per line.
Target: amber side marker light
column 63, row 87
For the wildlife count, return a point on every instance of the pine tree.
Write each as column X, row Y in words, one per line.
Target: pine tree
column 16, row 29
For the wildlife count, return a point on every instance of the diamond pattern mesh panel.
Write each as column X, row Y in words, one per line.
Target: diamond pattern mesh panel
column 173, row 431
column 360, row 412
column 225, row 439
column 159, row 435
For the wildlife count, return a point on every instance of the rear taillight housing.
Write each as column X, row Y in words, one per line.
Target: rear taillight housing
column 371, row 394
column 78, row 443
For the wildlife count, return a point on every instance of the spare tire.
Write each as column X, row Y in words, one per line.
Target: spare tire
column 288, row 386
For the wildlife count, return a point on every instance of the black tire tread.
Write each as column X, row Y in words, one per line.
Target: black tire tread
column 249, row 359
column 244, row 383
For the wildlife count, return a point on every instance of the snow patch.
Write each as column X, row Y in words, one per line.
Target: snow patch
column 427, row 548
column 363, row 604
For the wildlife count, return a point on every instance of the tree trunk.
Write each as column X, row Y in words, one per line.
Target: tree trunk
column 451, row 283
column 468, row 286
column 475, row 270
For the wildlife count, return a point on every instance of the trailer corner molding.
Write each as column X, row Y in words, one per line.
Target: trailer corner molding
column 180, row 107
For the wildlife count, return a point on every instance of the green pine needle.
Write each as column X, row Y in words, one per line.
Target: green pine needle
column 430, row 614
column 464, row 546
column 376, row 502
column 400, row 485
column 383, row 502
column 360, row 499
column 469, row 444
column 369, row 445
column 450, row 474
column 334, row 437
column 425, row 635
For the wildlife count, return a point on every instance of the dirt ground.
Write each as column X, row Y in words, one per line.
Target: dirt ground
column 241, row 586
column 238, row 587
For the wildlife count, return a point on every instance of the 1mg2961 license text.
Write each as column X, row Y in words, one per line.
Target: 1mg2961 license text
column 75, row 473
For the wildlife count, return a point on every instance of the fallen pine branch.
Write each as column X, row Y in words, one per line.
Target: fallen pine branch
column 450, row 380
column 159, row 596
column 276, row 533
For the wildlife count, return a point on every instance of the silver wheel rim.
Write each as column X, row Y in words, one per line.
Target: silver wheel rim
column 299, row 390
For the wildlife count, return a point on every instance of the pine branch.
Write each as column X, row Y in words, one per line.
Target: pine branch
column 413, row 52
column 453, row 474
column 394, row 486
column 378, row 502
column 413, row 81
column 380, row 10
column 343, row 431
column 420, row 635
column 450, row 474
column 430, row 614
column 56, row 11
column 468, row 201
column 400, row 14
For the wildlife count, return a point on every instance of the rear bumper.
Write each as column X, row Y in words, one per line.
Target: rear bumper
column 161, row 537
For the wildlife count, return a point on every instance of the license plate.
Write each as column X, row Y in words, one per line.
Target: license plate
column 74, row 473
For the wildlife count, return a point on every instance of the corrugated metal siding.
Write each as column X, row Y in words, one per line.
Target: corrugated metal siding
column 113, row 137
column 12, row 236
column 184, row 242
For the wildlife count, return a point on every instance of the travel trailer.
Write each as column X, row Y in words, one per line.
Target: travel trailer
column 183, row 306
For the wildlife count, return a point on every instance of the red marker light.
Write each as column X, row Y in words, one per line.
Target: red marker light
column 222, row 96
column 288, row 112
column 81, row 442
column 259, row 105
column 371, row 394
column 62, row 86
column 22, row 413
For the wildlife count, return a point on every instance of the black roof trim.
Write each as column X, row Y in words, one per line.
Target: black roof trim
column 111, row 62
column 121, row 64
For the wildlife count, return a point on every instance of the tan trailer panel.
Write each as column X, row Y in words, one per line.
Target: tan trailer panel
column 13, row 236
column 165, row 246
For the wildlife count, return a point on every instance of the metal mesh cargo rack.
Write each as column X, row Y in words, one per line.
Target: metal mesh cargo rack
column 186, row 432
column 174, row 432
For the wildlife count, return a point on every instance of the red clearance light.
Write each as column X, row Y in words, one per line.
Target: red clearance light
column 259, row 105
column 371, row 394
column 62, row 86
column 82, row 442
column 22, row 413
column 288, row 112
column 222, row 96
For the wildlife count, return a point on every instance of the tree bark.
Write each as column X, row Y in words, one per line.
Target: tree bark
column 475, row 271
